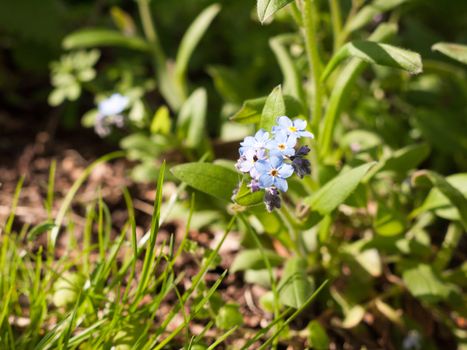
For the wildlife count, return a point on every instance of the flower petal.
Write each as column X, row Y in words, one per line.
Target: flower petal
column 281, row 184
column 262, row 166
column 275, row 162
column 266, row 180
column 291, row 141
column 285, row 171
column 305, row 134
column 300, row 124
column 284, row 121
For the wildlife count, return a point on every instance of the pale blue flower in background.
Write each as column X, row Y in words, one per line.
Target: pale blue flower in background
column 109, row 113
column 282, row 145
column 256, row 142
column 113, row 105
column 273, row 172
column 296, row 128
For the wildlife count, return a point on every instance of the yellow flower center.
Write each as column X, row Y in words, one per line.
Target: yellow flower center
column 281, row 146
column 292, row 128
column 274, row 172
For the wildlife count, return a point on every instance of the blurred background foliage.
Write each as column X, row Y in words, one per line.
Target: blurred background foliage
column 235, row 55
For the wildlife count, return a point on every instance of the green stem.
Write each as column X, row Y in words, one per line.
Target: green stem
column 293, row 226
column 336, row 20
column 309, row 16
column 450, row 243
column 166, row 85
column 268, row 267
column 150, row 30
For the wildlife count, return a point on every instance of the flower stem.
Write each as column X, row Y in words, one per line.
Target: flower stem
column 309, row 17
column 336, row 20
column 293, row 226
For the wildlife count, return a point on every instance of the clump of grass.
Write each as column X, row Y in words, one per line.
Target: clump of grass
column 105, row 291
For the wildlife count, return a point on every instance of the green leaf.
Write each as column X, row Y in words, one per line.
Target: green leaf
column 336, row 191
column 87, row 38
column 266, row 8
column 293, row 84
column 456, row 197
column 161, row 123
column 247, row 198
column 368, row 13
column 191, row 121
column 401, row 161
column 376, row 53
column 215, row 180
column 353, row 317
column 440, row 203
column 317, row 336
column 341, row 90
column 389, row 222
column 273, row 108
column 40, row 228
column 251, row 110
column 252, row 259
column 229, row 316
column 424, row 283
column 455, row 51
column 230, row 85
column 192, row 38
column 295, row 287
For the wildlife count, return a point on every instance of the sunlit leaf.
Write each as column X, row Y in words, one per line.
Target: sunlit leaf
column 266, row 8
column 192, row 38
column 335, row 192
column 191, row 121
column 273, row 108
column 422, row 281
column 455, row 51
column 376, row 53
column 438, row 200
column 88, row 38
column 455, row 196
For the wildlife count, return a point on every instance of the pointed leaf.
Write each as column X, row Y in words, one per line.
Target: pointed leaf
column 455, row 196
column 250, row 113
column 376, row 53
column 192, row 119
column 336, row 191
column 273, row 108
column 87, row 38
column 266, row 8
column 424, row 283
column 455, row 51
column 192, row 38
column 215, row 180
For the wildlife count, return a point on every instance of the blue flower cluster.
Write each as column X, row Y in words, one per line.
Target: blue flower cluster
column 270, row 159
column 109, row 113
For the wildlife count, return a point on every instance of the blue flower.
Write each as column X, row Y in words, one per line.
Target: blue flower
column 273, row 172
column 282, row 145
column 296, row 128
column 113, row 105
column 246, row 162
column 255, row 143
column 109, row 113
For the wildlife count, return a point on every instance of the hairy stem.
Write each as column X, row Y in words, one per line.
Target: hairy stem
column 336, row 20
column 309, row 17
